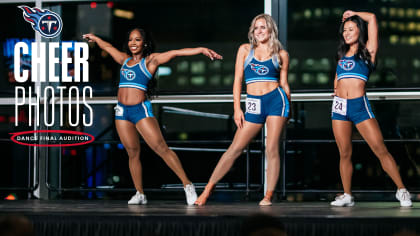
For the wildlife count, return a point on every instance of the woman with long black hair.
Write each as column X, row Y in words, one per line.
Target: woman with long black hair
column 356, row 60
column 133, row 113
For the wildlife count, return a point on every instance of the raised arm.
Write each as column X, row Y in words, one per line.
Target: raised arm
column 237, row 84
column 117, row 55
column 370, row 18
column 156, row 59
column 284, row 57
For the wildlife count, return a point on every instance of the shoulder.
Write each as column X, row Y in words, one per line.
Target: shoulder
column 283, row 54
column 244, row 48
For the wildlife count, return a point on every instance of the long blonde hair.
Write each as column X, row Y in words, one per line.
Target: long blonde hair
column 273, row 42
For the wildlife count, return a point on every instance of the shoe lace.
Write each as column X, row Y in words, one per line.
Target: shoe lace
column 340, row 197
column 405, row 196
column 189, row 189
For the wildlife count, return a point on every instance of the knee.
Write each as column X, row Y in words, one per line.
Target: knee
column 272, row 153
column 380, row 151
column 345, row 154
column 160, row 148
column 133, row 152
column 233, row 152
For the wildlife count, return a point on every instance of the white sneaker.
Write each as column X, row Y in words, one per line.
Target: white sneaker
column 343, row 200
column 138, row 199
column 190, row 194
column 404, row 197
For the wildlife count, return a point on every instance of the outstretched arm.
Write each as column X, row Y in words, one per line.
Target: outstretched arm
column 156, row 59
column 284, row 56
column 370, row 18
column 117, row 55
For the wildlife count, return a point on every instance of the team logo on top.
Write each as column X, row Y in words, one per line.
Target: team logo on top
column 259, row 69
column 46, row 22
column 128, row 74
column 346, row 64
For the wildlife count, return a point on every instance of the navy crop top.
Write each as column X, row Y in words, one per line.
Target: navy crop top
column 350, row 67
column 136, row 76
column 261, row 71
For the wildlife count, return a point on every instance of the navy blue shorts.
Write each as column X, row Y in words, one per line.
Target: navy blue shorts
column 274, row 103
column 133, row 113
column 355, row 110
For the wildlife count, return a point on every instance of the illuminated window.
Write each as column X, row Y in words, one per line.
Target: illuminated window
column 384, row 10
column 182, row 81
column 228, row 80
column 374, row 78
column 416, row 63
column 318, row 12
column 322, row 78
column 198, row 67
column 390, row 62
column 307, row 78
column 215, row 80
column 293, row 63
column 410, row 12
column 412, row 40
column 400, row 12
column 198, row 80
column 182, row 66
column 215, row 65
column 307, row 14
column 411, row 26
column 291, row 78
column 392, row 12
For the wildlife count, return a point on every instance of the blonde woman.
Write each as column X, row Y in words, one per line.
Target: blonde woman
column 264, row 64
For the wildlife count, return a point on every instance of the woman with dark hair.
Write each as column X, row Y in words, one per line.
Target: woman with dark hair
column 133, row 113
column 263, row 63
column 356, row 60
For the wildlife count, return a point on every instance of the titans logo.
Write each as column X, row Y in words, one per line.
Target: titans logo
column 347, row 64
column 128, row 74
column 259, row 69
column 46, row 22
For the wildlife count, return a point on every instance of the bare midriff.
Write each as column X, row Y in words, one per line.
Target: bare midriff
column 131, row 96
column 350, row 88
column 261, row 88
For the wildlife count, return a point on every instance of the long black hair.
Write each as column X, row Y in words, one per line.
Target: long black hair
column 148, row 48
column 362, row 52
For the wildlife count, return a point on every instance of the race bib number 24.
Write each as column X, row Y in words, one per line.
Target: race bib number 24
column 339, row 106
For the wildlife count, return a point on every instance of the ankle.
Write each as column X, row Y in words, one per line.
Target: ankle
column 269, row 195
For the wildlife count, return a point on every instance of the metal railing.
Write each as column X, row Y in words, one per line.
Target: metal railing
column 228, row 98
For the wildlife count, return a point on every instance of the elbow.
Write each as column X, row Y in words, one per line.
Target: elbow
column 372, row 18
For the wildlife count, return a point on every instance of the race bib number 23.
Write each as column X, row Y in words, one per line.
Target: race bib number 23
column 253, row 106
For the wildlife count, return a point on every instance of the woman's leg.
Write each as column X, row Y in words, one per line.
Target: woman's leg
column 369, row 129
column 242, row 138
column 342, row 133
column 130, row 139
column 150, row 131
column 275, row 126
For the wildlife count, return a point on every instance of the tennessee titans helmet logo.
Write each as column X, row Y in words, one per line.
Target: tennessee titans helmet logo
column 259, row 69
column 346, row 64
column 46, row 22
column 128, row 74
